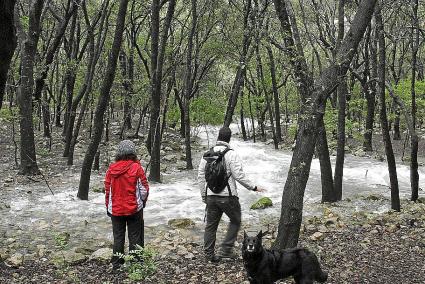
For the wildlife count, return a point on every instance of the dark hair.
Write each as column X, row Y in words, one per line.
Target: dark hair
column 126, row 157
column 224, row 134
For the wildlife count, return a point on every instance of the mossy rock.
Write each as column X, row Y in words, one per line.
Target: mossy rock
column 374, row 197
column 181, row 223
column 262, row 203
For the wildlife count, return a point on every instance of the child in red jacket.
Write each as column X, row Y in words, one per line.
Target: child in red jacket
column 126, row 193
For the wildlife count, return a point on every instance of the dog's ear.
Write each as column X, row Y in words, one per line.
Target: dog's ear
column 245, row 235
column 260, row 235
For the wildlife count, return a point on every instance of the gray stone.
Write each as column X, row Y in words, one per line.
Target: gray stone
column 316, row 236
column 15, row 260
column 170, row 158
column 4, row 254
column 103, row 254
column 61, row 258
column 41, row 250
column 181, row 223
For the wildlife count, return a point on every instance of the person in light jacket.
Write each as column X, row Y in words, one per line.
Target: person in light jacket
column 226, row 201
column 126, row 194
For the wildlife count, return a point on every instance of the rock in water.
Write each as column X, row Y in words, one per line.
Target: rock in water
column 181, row 223
column 262, row 203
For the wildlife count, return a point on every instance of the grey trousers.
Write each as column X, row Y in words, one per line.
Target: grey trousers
column 216, row 206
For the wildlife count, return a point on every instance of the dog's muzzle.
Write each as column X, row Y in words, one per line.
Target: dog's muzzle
column 250, row 248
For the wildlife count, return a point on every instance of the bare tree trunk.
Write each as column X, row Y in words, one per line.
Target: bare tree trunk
column 275, row 95
column 241, row 69
column 414, row 176
column 243, row 128
column 328, row 190
column 157, row 61
column 395, row 199
column 93, row 57
column 70, row 74
column 45, row 108
column 315, row 94
column 397, row 135
column 7, row 42
column 27, row 144
column 102, row 103
column 72, row 7
column 342, row 93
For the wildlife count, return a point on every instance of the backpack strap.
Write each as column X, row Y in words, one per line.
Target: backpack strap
column 227, row 181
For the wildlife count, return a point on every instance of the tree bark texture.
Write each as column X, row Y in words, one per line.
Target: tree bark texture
column 342, row 92
column 157, row 61
column 189, row 86
column 395, row 199
column 7, row 42
column 27, row 144
column 275, row 95
column 328, row 189
column 414, row 176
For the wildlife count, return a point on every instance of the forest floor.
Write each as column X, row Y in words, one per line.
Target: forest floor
column 365, row 248
column 360, row 248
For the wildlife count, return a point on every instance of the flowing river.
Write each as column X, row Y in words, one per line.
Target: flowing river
column 39, row 216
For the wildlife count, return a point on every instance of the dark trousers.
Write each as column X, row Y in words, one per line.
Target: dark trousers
column 216, row 206
column 135, row 225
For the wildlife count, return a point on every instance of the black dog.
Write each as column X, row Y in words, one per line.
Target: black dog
column 267, row 266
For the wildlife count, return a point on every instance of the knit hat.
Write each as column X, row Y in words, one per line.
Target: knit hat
column 126, row 147
column 224, row 134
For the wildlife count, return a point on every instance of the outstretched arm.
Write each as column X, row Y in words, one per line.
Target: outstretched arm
column 238, row 173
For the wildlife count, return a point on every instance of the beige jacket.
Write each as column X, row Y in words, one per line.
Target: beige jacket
column 234, row 170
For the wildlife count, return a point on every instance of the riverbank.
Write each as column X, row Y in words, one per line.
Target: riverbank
column 361, row 248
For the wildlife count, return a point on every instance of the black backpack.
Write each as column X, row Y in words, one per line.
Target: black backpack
column 215, row 171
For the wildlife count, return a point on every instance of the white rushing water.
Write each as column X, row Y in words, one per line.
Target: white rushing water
column 179, row 196
column 266, row 167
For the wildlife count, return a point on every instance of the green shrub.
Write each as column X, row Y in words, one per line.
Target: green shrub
column 140, row 263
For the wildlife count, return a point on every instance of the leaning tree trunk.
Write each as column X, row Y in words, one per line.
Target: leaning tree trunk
column 102, row 104
column 395, row 199
column 7, row 42
column 27, row 144
column 315, row 94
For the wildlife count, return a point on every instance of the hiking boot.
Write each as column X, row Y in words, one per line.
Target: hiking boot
column 212, row 258
column 229, row 254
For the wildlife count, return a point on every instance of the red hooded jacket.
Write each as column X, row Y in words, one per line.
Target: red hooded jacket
column 126, row 188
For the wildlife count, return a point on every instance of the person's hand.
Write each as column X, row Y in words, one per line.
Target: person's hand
column 259, row 189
